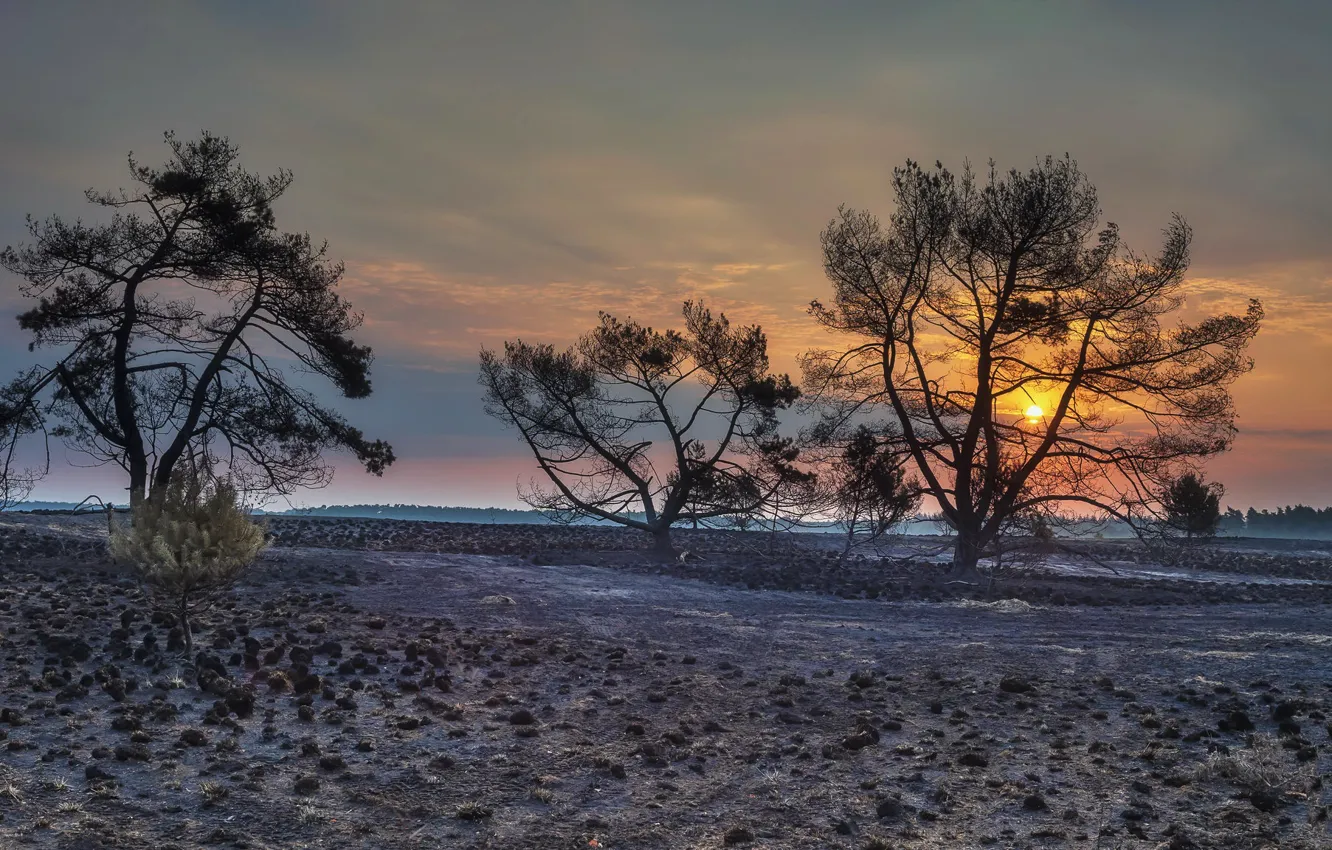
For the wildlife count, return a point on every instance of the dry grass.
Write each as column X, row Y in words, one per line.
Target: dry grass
column 213, row 793
column 1263, row 767
column 58, row 784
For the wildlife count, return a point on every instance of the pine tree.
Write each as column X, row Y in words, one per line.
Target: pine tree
column 190, row 542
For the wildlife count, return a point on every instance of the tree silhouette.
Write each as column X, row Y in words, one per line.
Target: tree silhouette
column 19, row 417
column 982, row 296
column 1191, row 506
column 593, row 414
column 871, row 494
column 861, row 477
column 171, row 319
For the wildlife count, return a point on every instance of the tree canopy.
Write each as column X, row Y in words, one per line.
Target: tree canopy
column 677, row 426
column 1191, row 506
column 173, row 322
column 1027, row 356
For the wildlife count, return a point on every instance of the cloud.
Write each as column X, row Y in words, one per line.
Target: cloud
column 490, row 172
column 1297, row 298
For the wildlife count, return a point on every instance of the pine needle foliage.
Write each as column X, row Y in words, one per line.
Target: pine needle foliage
column 190, row 542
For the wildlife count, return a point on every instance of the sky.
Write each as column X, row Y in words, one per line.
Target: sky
column 497, row 170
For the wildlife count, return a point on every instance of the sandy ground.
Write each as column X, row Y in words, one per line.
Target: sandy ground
column 810, row 630
column 485, row 701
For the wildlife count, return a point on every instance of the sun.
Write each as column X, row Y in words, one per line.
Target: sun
column 1035, row 412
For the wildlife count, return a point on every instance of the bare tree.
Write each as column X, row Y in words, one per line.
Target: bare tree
column 646, row 428
column 981, row 298
column 172, row 319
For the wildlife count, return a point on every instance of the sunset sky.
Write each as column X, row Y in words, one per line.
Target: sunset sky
column 499, row 169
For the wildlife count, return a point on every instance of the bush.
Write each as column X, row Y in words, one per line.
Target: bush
column 1264, row 771
column 189, row 542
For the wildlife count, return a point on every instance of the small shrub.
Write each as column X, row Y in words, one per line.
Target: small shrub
column 190, row 542
column 1263, row 770
column 213, row 793
column 473, row 811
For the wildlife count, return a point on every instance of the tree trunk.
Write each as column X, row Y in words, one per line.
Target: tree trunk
column 847, row 545
column 138, row 488
column 185, row 627
column 661, row 542
column 966, row 554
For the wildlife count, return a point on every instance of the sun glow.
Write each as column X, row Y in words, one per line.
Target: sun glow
column 1034, row 412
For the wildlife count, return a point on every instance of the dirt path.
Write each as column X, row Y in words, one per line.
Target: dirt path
column 807, row 631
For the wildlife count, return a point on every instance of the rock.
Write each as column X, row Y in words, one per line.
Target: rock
column 193, row 737
column 861, row 738
column 240, row 700
column 1015, row 685
column 306, row 785
column 133, row 752
column 1235, row 721
column 332, row 761
column 738, row 835
column 441, row 762
column 71, row 645
column 308, row 684
column 522, row 717
column 973, row 759
column 97, row 773
column 1035, row 803
column 330, row 648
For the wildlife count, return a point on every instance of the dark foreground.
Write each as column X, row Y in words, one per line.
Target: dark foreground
column 357, row 697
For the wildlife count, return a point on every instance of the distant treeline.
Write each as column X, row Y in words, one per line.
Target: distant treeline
column 428, row 513
column 1300, row 521
column 59, row 507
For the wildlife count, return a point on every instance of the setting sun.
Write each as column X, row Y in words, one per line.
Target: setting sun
column 1035, row 412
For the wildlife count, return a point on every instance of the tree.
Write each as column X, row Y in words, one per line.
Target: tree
column 867, row 486
column 171, row 319
column 594, row 414
column 795, row 493
column 189, row 542
column 1191, row 506
column 19, row 417
column 980, row 298
column 1232, row 522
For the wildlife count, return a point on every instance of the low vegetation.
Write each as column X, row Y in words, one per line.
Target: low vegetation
column 188, row 543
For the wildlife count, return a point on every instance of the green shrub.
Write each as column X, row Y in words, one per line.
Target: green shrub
column 189, row 542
